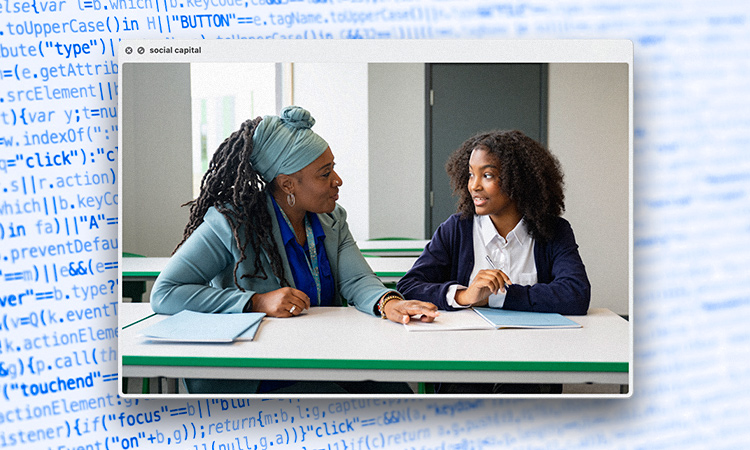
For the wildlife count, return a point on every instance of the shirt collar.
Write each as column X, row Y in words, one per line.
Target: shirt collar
column 287, row 234
column 317, row 228
column 519, row 234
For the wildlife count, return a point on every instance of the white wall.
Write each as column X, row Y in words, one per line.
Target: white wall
column 252, row 90
column 396, row 156
column 156, row 157
column 373, row 118
column 336, row 95
column 588, row 117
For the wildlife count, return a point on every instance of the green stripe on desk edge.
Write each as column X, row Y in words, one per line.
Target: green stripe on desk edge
column 390, row 274
column 179, row 361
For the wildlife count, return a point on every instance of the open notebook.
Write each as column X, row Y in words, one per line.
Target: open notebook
column 191, row 326
column 490, row 318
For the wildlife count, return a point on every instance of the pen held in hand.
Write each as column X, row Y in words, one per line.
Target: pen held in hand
column 492, row 264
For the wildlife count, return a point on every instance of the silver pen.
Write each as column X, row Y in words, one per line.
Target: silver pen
column 492, row 264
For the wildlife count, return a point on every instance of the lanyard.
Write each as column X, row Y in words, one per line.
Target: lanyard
column 312, row 262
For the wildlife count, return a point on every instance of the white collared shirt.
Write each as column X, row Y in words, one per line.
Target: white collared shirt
column 514, row 255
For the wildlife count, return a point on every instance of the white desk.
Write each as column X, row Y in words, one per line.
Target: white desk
column 389, row 268
column 346, row 344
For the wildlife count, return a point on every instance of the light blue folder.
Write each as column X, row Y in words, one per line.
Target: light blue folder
column 503, row 318
column 191, row 326
column 249, row 334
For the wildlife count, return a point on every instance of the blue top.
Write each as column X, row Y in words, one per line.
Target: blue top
column 299, row 257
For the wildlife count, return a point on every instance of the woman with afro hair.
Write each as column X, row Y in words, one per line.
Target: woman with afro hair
column 507, row 247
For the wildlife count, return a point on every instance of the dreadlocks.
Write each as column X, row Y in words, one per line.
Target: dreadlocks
column 236, row 190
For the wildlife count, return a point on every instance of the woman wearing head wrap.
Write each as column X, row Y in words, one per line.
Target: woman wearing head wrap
column 266, row 235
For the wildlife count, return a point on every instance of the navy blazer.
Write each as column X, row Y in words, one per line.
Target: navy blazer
column 562, row 285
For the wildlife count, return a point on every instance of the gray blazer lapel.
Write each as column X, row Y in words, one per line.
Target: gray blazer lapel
column 332, row 229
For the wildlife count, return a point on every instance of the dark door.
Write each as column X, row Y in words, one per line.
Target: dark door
column 468, row 98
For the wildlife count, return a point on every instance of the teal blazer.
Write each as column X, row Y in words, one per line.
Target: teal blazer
column 199, row 276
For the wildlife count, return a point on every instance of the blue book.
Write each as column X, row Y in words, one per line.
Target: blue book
column 191, row 326
column 503, row 318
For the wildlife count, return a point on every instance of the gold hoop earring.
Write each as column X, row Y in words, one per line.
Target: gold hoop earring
column 290, row 199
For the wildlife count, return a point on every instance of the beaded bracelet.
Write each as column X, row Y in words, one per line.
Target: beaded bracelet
column 384, row 300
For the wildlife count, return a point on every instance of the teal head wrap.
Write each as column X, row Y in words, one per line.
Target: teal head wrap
column 285, row 144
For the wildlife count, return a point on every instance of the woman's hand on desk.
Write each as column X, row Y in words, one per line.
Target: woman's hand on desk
column 401, row 311
column 487, row 282
column 284, row 302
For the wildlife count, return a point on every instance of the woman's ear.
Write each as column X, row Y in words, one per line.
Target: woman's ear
column 286, row 183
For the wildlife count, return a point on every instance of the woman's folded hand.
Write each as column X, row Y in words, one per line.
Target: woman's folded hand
column 284, row 302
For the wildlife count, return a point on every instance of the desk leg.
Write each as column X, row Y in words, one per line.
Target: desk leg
column 426, row 388
column 167, row 385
